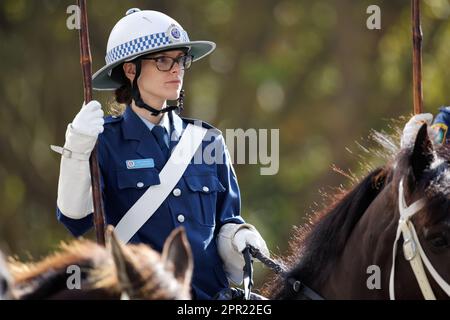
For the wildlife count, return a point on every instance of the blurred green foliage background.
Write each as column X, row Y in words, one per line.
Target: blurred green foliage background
column 310, row 68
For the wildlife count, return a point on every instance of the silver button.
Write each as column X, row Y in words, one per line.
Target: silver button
column 140, row 184
column 180, row 218
column 176, row 192
column 205, row 188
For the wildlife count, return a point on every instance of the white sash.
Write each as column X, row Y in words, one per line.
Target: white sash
column 169, row 176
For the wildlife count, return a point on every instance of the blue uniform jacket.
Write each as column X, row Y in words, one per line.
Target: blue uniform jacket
column 441, row 123
column 205, row 198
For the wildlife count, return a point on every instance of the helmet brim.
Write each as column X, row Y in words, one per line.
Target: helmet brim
column 101, row 80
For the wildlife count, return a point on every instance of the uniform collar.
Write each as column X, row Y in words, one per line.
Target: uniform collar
column 133, row 125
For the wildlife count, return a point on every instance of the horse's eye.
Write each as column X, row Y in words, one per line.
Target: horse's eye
column 3, row 286
column 439, row 241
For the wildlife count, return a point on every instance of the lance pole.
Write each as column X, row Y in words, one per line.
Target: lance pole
column 86, row 66
column 417, row 57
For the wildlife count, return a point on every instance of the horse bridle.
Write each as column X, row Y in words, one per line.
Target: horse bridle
column 412, row 250
column 295, row 286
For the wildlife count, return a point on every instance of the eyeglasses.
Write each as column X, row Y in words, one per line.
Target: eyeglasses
column 166, row 63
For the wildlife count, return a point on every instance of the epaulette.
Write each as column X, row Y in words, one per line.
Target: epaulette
column 203, row 124
column 113, row 119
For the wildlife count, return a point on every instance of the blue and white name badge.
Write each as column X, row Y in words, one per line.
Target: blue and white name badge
column 140, row 163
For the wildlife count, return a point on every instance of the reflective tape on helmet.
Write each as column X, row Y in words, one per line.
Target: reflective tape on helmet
column 136, row 46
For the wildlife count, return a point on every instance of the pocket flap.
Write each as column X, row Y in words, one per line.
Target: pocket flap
column 205, row 184
column 138, row 178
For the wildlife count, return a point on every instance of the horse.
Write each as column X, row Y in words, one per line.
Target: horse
column 349, row 250
column 85, row 270
column 5, row 280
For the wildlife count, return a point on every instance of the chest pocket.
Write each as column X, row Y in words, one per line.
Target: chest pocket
column 203, row 197
column 137, row 178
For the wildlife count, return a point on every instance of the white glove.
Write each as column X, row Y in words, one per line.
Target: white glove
column 249, row 236
column 89, row 120
column 231, row 240
column 413, row 126
column 74, row 185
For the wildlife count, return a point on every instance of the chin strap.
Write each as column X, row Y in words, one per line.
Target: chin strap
column 140, row 103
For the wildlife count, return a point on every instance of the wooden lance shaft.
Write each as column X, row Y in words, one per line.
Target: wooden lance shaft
column 417, row 57
column 86, row 66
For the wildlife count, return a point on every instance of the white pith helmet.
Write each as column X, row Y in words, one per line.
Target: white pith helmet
column 140, row 33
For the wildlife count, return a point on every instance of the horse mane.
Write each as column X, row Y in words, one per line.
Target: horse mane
column 32, row 279
column 48, row 277
column 317, row 244
column 76, row 253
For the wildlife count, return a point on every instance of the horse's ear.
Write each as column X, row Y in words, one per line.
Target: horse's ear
column 125, row 266
column 422, row 155
column 177, row 255
column 5, row 280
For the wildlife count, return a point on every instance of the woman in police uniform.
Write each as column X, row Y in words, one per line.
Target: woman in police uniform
column 147, row 55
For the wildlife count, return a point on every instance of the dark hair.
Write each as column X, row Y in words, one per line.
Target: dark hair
column 123, row 94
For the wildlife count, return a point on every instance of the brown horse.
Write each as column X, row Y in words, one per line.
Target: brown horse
column 342, row 251
column 5, row 280
column 118, row 271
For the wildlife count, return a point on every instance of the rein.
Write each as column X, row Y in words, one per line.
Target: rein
column 295, row 285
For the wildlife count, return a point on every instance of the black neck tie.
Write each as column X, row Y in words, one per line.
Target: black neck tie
column 158, row 133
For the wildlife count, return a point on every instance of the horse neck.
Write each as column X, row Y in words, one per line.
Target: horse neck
column 367, row 254
column 316, row 250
